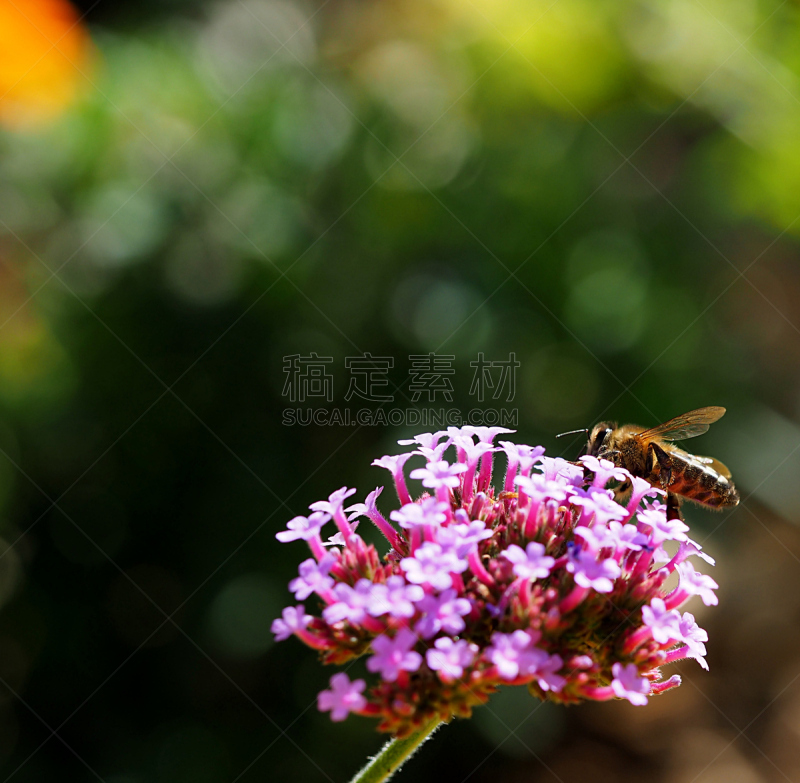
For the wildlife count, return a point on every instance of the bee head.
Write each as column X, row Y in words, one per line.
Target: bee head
column 597, row 439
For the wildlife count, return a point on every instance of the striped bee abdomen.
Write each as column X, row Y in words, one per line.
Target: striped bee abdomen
column 701, row 483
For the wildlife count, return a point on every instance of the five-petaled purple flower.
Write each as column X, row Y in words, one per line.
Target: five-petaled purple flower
column 352, row 603
column 512, row 653
column 531, row 562
column 662, row 529
column 313, row 577
column 629, row 684
column 395, row 597
column 695, row 583
column 663, row 623
column 394, row 655
column 463, row 538
column 303, row 527
column 429, row 512
column 333, row 504
column 693, row 636
column 439, row 474
column 622, row 536
column 294, row 619
column 604, row 470
column 443, row 612
column 591, row 573
column 433, row 566
column 449, row 658
column 343, row 698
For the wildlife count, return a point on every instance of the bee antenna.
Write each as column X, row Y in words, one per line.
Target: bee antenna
column 572, row 432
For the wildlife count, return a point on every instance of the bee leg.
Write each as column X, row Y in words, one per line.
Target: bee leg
column 663, row 461
column 674, row 506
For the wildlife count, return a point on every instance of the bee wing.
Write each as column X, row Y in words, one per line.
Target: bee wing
column 689, row 425
column 714, row 464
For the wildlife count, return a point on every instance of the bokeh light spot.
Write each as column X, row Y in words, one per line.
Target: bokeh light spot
column 239, row 617
column 43, row 49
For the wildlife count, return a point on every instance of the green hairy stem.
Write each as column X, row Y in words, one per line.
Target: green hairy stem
column 394, row 754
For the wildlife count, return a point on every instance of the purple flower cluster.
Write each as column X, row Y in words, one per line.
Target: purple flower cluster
column 548, row 583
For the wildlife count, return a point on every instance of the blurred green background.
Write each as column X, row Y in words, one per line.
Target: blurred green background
column 609, row 191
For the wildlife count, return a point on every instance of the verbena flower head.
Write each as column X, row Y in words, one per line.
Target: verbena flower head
column 554, row 586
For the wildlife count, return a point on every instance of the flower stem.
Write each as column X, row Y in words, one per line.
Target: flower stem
column 394, row 754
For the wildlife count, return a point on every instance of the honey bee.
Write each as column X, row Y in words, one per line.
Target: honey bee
column 650, row 454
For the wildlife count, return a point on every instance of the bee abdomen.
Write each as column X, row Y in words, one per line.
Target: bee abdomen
column 703, row 485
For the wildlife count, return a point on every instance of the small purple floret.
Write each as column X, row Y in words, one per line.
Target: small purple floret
column 343, row 698
column 303, row 527
column 352, row 603
column 623, row 536
column 463, row 538
column 432, row 565
column 293, row 619
column 628, row 684
column 439, row 474
column 663, row 623
column 693, row 636
column 531, row 562
column 394, row 655
column 604, row 470
column 510, row 653
column 334, row 502
column 597, row 575
column 396, row 598
column 313, row 577
column 443, row 612
column 428, row 512
column 449, row 658
column 662, row 529
column 695, row 583
column 562, row 471
column 599, row 507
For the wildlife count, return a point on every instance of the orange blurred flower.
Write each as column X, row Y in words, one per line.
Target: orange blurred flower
column 43, row 50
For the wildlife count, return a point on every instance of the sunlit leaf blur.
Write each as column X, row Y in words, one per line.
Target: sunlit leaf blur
column 190, row 192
